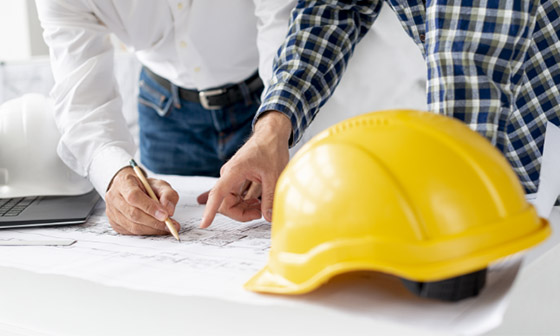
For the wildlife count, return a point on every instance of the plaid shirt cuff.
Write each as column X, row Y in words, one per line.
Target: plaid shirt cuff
column 289, row 100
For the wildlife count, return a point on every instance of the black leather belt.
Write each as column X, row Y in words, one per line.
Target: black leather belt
column 215, row 98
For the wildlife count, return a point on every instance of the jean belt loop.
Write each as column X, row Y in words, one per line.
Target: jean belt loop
column 175, row 95
column 246, row 93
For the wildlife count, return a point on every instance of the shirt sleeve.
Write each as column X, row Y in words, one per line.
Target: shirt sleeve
column 308, row 67
column 475, row 63
column 95, row 141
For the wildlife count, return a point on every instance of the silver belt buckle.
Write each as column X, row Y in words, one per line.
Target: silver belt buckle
column 204, row 95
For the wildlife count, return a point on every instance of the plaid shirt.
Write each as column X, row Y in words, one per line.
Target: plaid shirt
column 494, row 64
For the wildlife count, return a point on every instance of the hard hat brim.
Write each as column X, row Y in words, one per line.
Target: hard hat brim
column 267, row 281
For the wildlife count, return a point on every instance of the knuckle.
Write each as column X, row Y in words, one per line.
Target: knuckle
column 132, row 196
column 235, row 169
column 223, row 209
column 162, row 183
column 268, row 197
column 155, row 183
column 134, row 214
column 136, row 230
column 152, row 208
column 170, row 194
column 214, row 189
column 112, row 192
column 129, row 178
column 228, row 167
column 213, row 192
column 118, row 179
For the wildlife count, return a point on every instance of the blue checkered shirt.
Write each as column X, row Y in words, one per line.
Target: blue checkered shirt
column 494, row 64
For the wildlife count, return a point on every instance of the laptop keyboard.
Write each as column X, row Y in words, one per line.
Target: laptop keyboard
column 10, row 207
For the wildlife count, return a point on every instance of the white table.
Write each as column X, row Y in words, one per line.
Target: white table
column 38, row 304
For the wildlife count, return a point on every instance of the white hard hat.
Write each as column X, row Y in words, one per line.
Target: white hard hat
column 29, row 164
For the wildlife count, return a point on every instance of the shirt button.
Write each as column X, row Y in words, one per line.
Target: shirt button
column 183, row 44
column 180, row 6
column 422, row 38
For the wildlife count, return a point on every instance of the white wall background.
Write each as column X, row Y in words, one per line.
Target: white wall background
column 387, row 71
column 14, row 30
column 20, row 31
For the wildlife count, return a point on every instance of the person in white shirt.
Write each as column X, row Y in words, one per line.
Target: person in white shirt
column 199, row 91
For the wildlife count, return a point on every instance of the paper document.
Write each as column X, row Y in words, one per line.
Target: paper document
column 209, row 261
column 217, row 261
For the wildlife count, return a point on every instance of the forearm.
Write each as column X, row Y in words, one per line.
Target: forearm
column 95, row 141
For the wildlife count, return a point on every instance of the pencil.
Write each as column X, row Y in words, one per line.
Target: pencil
column 142, row 178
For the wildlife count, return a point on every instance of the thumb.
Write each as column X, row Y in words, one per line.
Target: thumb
column 203, row 198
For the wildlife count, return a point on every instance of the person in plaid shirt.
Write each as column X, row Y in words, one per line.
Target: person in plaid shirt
column 494, row 64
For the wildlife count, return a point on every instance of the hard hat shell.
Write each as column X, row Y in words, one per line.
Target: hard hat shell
column 29, row 164
column 413, row 194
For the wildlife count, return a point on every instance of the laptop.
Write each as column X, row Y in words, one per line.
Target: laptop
column 46, row 210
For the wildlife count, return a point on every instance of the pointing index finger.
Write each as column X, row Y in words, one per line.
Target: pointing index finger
column 215, row 198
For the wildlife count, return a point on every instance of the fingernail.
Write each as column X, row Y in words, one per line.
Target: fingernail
column 161, row 216
column 170, row 207
column 269, row 214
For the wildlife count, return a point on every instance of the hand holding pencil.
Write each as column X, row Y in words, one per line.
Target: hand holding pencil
column 153, row 196
column 132, row 211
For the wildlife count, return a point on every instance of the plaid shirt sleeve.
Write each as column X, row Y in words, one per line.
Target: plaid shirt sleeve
column 310, row 63
column 475, row 56
column 494, row 66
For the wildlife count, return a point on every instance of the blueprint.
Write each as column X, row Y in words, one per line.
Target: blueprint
column 216, row 262
column 227, row 252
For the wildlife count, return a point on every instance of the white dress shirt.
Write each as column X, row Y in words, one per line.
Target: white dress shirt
column 195, row 44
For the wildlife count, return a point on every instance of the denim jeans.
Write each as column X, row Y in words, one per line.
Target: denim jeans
column 182, row 138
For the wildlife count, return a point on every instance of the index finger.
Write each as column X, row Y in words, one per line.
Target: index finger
column 168, row 197
column 216, row 197
column 136, row 197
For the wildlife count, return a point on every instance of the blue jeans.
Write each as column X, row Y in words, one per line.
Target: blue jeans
column 180, row 137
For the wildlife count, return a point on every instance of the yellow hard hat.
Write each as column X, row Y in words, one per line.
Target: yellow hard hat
column 409, row 193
